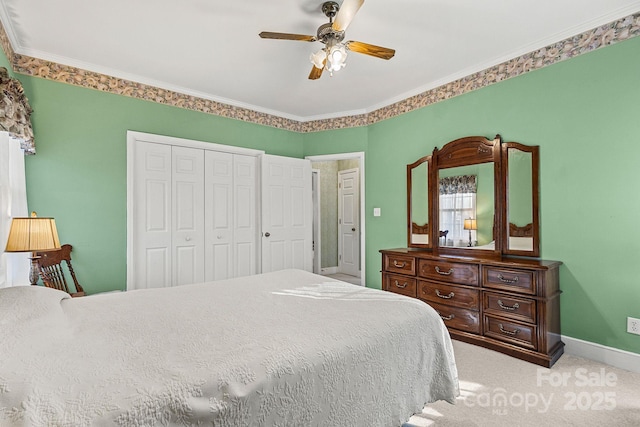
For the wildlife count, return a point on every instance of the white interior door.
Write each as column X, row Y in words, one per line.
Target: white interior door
column 245, row 182
column 286, row 214
column 152, row 232
column 192, row 211
column 317, row 219
column 188, row 215
column 218, row 215
column 349, row 222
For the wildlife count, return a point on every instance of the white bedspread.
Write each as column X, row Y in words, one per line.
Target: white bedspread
column 280, row 349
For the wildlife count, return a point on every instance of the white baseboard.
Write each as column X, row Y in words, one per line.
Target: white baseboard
column 329, row 270
column 601, row 353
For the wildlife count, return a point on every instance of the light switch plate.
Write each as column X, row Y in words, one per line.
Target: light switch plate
column 376, row 211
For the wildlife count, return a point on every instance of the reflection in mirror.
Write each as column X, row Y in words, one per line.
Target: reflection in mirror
column 467, row 193
column 419, row 176
column 520, row 200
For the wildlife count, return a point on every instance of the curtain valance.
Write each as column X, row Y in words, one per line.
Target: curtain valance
column 15, row 112
column 458, row 184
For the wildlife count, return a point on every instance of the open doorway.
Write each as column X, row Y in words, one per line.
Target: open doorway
column 339, row 234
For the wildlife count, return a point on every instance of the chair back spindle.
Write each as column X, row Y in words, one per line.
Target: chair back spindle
column 53, row 274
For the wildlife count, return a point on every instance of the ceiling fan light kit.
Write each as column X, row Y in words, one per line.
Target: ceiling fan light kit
column 334, row 55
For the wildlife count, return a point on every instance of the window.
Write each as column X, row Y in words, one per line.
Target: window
column 13, row 202
column 457, row 203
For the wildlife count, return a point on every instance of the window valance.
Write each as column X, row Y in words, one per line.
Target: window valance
column 15, row 112
column 458, row 184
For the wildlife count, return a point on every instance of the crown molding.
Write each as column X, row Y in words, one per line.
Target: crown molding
column 613, row 32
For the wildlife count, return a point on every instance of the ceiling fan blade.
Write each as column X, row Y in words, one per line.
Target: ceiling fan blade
column 346, row 13
column 287, row 36
column 315, row 73
column 370, row 49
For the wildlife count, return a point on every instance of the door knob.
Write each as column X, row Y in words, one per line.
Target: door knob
column 267, row 234
column 353, row 229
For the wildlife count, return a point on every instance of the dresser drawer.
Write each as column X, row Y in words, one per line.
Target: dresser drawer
column 510, row 306
column 458, row 318
column 400, row 264
column 453, row 272
column 400, row 284
column 509, row 280
column 510, row 331
column 451, row 295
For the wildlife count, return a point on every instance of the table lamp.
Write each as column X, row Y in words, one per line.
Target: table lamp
column 33, row 234
column 470, row 224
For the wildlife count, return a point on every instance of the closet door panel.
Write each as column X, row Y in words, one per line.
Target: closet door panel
column 245, row 215
column 192, row 211
column 187, row 215
column 157, row 268
column 152, row 195
column 218, row 215
column 186, row 265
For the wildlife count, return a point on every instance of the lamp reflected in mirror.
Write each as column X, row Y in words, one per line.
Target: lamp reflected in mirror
column 470, row 224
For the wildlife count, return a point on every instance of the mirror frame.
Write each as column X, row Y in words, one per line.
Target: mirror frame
column 410, row 168
column 474, row 150
column 535, row 198
column 470, row 150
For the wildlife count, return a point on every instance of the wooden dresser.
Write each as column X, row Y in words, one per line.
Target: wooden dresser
column 511, row 305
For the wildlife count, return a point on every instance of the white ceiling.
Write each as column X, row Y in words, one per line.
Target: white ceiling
column 211, row 48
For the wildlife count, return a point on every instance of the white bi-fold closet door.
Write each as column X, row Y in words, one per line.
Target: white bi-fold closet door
column 194, row 211
column 193, row 215
column 230, row 226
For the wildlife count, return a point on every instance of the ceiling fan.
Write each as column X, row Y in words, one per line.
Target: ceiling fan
column 333, row 56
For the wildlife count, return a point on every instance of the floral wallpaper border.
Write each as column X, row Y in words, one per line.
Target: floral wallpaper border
column 585, row 42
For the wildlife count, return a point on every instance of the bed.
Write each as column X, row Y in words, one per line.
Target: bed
column 288, row 348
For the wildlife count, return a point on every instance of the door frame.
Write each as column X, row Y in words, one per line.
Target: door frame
column 317, row 230
column 347, row 156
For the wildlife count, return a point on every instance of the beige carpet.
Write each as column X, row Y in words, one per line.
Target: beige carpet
column 497, row 390
column 345, row 278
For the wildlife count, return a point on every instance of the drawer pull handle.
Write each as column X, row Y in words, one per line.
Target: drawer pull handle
column 506, row 307
column 451, row 295
column 504, row 331
column 398, row 285
column 449, row 317
column 505, row 280
column 399, row 264
column 444, row 273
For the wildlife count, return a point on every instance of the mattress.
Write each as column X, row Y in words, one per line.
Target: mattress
column 288, row 348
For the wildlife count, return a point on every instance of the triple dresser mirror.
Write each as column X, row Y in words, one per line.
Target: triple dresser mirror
column 473, row 231
column 475, row 197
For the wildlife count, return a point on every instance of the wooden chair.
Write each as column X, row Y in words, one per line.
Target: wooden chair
column 52, row 272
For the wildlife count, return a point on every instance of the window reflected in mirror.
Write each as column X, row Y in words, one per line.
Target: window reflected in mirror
column 466, row 194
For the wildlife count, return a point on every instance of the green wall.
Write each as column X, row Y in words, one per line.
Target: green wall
column 582, row 112
column 78, row 175
column 328, row 212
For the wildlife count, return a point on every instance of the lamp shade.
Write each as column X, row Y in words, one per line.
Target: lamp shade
column 337, row 57
column 470, row 224
column 32, row 234
column 318, row 59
